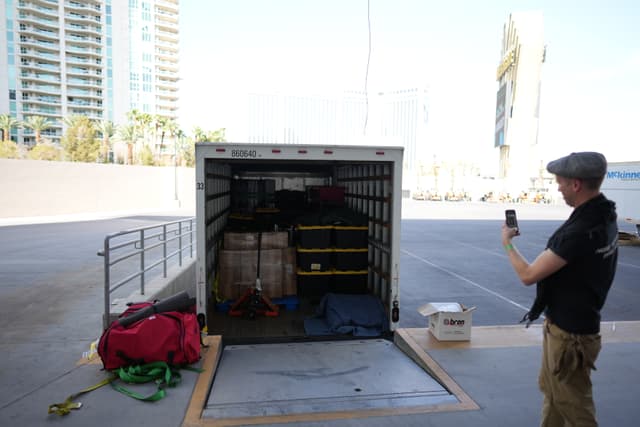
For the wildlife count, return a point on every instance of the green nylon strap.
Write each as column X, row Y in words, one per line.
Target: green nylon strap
column 159, row 372
column 65, row 407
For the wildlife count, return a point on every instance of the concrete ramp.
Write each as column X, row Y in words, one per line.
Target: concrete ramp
column 319, row 377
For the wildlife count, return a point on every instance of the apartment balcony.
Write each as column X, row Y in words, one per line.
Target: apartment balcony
column 83, row 40
column 24, row 6
column 167, row 66
column 94, row 52
column 24, row 18
column 86, row 83
column 85, row 104
column 166, row 54
column 36, row 55
column 39, row 77
column 167, row 74
column 74, row 5
column 92, row 114
column 171, row 36
column 38, row 33
column 40, row 89
column 38, row 44
column 165, row 84
column 84, row 29
column 86, row 72
column 170, row 45
column 41, row 102
column 84, row 62
column 82, row 18
column 39, row 66
column 171, row 6
column 41, row 111
column 161, row 21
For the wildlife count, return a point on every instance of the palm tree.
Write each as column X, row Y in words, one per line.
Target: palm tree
column 7, row 122
column 199, row 135
column 107, row 129
column 129, row 135
column 38, row 124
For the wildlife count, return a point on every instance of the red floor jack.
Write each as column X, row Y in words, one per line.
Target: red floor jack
column 253, row 302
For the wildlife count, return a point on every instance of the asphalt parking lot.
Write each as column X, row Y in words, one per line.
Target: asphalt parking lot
column 450, row 251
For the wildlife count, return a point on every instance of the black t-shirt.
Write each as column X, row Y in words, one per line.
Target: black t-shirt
column 588, row 242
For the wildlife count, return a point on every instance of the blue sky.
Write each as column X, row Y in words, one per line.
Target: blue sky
column 590, row 84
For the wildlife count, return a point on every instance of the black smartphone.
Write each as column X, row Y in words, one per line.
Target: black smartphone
column 512, row 220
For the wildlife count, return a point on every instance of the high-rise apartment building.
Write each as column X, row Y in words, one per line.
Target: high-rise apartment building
column 145, row 47
column 96, row 58
column 518, row 100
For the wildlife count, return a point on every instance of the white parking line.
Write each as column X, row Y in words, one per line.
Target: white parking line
column 471, row 282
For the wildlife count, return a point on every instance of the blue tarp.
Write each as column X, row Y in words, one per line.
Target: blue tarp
column 359, row 315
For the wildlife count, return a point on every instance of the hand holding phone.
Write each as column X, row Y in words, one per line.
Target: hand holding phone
column 512, row 220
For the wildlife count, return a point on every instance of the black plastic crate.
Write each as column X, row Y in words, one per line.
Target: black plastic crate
column 314, row 284
column 349, row 237
column 315, row 259
column 351, row 259
column 349, row 282
column 314, row 236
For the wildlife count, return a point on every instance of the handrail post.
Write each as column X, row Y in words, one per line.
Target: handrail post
column 164, row 250
column 191, row 238
column 142, row 262
column 107, row 286
column 180, row 243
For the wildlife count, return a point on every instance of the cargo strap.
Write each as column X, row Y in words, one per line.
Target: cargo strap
column 65, row 407
column 161, row 373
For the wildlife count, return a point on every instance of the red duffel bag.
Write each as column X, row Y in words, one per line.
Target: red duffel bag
column 172, row 337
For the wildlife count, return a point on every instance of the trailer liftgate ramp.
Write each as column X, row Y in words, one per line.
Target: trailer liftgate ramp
column 262, row 384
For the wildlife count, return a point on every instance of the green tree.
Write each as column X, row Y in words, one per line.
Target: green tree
column 80, row 142
column 217, row 135
column 38, row 124
column 129, row 135
column 106, row 129
column 7, row 122
column 46, row 151
column 199, row 135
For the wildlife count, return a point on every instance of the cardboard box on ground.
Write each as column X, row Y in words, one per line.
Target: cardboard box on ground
column 239, row 261
column 448, row 321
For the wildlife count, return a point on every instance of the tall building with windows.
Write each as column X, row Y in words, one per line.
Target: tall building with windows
column 519, row 77
column 145, row 47
column 96, row 58
column 404, row 115
column 343, row 118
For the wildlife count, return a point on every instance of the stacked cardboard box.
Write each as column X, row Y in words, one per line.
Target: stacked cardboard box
column 238, row 264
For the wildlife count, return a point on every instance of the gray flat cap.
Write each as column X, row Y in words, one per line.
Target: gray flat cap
column 587, row 164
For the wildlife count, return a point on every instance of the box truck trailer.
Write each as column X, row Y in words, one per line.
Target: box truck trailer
column 265, row 190
column 297, row 277
column 622, row 185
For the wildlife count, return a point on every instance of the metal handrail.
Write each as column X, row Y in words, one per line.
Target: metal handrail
column 168, row 232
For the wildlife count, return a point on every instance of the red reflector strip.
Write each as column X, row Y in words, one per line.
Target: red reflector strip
column 328, row 152
column 302, row 151
column 275, row 150
column 380, row 153
column 220, row 150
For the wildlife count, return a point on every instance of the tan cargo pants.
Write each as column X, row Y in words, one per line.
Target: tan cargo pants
column 565, row 377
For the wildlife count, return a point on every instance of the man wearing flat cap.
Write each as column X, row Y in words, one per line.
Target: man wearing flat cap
column 573, row 276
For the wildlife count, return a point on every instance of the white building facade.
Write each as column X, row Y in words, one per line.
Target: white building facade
column 397, row 117
column 519, row 77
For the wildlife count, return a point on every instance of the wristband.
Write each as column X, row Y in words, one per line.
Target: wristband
column 508, row 247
